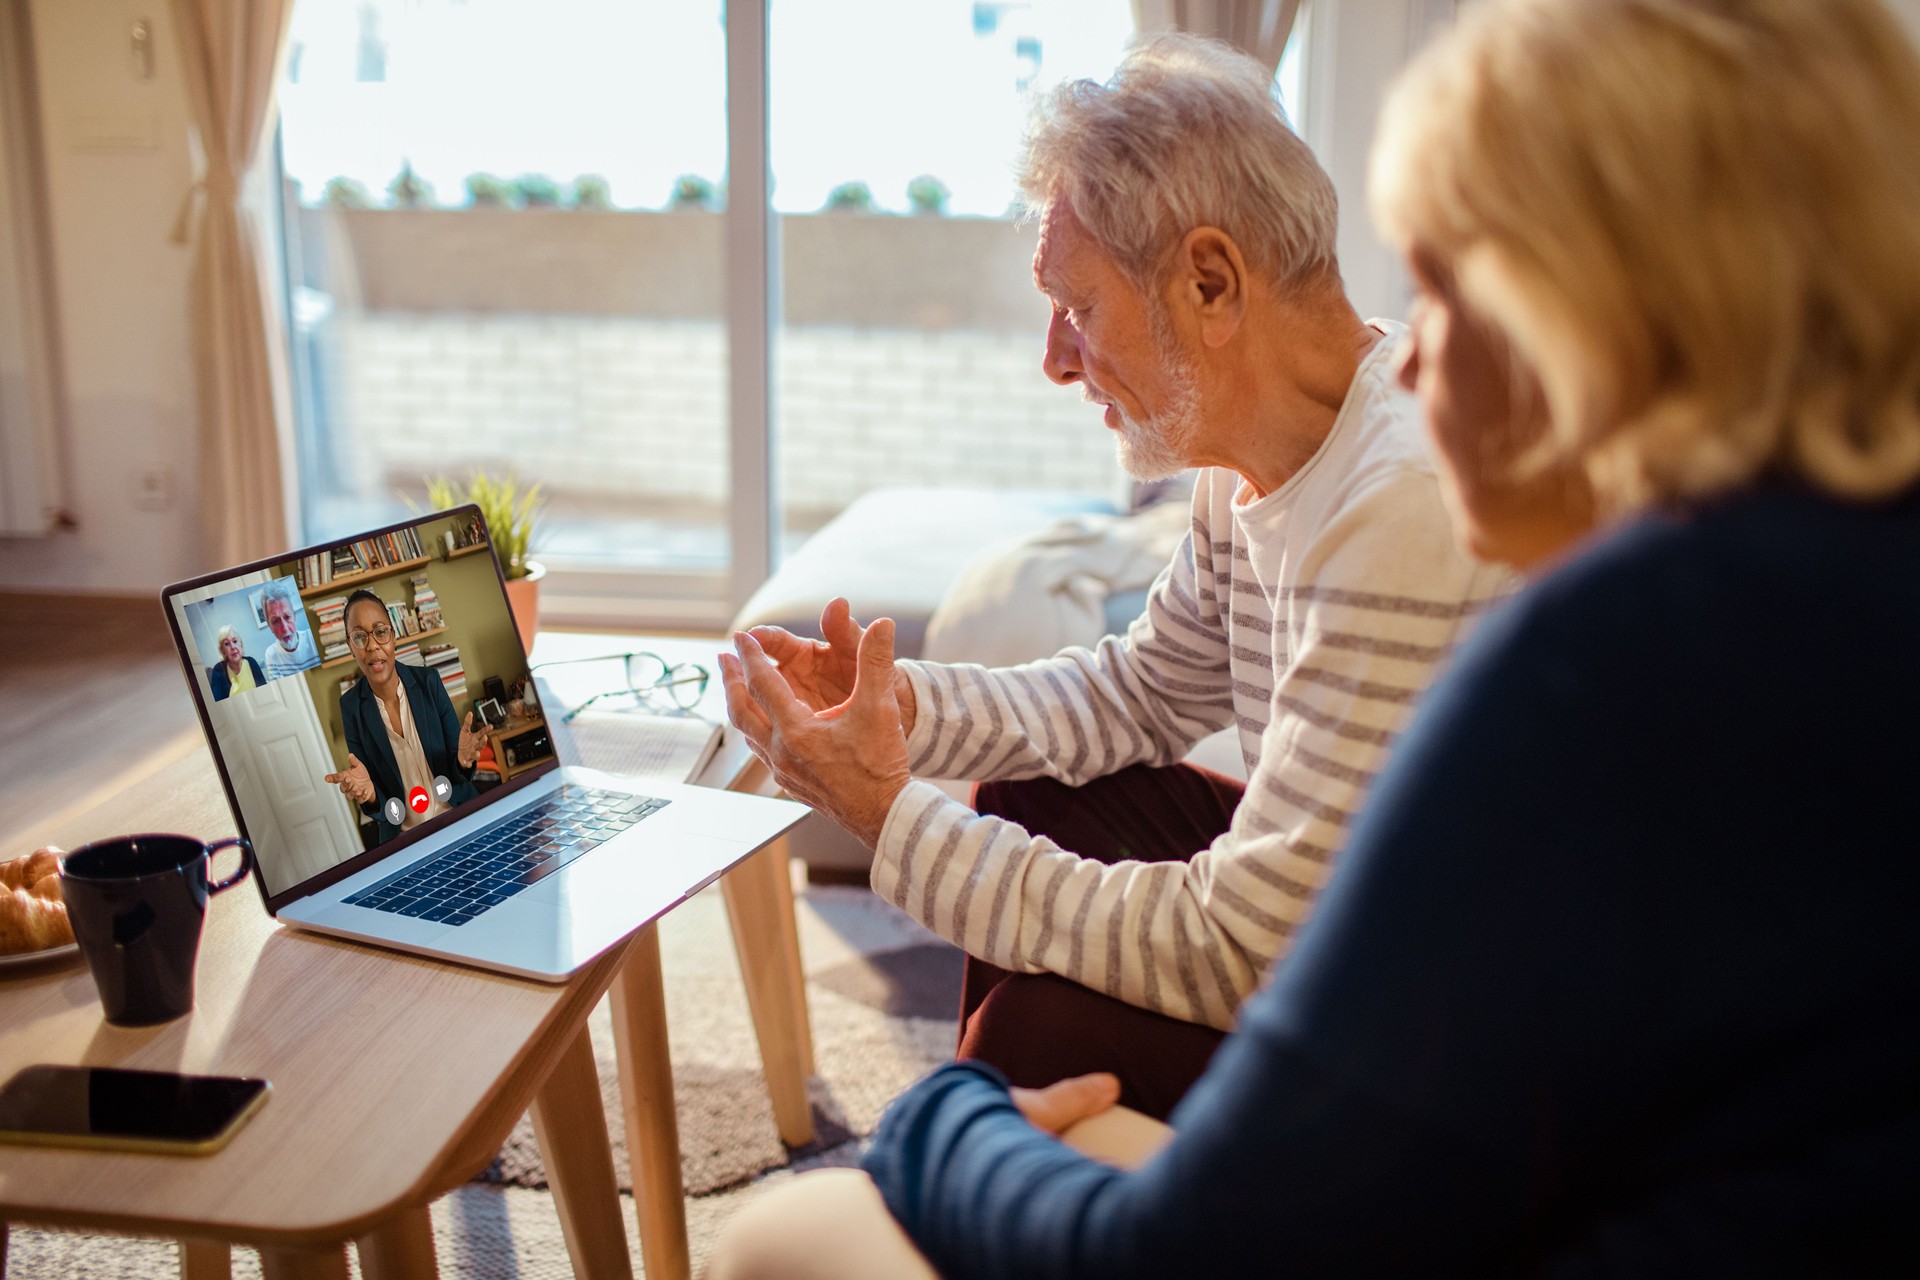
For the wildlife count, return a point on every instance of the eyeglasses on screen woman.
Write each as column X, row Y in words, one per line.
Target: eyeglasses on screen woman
column 381, row 634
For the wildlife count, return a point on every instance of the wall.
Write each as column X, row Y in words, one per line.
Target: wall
column 118, row 164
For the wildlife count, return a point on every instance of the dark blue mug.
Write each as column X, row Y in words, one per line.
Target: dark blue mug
column 137, row 904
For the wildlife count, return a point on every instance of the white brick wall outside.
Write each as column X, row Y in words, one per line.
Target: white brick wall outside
column 616, row 407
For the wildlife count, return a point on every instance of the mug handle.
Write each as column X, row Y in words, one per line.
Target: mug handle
column 246, row 862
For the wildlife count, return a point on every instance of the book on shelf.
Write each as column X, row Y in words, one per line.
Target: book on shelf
column 426, row 602
column 404, row 620
column 364, row 556
column 315, row 569
column 445, row 660
column 330, row 630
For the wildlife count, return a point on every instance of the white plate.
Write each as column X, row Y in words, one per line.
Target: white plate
column 33, row 959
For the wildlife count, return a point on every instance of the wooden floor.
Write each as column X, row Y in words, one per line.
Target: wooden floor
column 91, row 700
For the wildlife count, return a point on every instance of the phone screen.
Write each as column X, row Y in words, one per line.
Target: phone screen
column 112, row 1107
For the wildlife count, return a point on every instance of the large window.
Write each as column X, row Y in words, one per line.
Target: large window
column 506, row 233
column 911, row 348
column 504, row 246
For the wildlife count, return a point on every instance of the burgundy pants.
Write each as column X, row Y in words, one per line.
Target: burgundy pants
column 1040, row 1027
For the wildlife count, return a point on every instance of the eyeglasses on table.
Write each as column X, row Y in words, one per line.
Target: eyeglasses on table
column 650, row 679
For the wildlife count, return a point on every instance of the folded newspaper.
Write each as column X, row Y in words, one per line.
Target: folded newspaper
column 669, row 746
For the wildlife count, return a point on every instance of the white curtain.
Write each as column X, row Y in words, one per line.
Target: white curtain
column 230, row 55
column 1256, row 27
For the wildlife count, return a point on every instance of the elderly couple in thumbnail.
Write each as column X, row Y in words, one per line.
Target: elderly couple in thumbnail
column 1596, row 958
column 292, row 651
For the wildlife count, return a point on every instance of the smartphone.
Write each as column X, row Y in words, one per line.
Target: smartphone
column 124, row 1110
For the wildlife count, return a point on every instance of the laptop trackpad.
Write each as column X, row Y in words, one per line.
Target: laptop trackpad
column 612, row 891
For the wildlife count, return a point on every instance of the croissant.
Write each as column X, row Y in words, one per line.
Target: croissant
column 28, row 923
column 29, row 869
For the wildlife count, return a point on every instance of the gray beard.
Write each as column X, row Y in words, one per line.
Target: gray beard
column 1161, row 446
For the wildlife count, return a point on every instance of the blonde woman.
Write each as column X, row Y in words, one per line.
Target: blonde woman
column 1619, row 976
column 235, row 672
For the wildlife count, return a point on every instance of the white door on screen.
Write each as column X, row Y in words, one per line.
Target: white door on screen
column 313, row 825
column 276, row 749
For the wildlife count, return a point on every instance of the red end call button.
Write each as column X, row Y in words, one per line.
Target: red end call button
column 417, row 800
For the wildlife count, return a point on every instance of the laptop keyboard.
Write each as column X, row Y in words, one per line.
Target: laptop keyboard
column 493, row 864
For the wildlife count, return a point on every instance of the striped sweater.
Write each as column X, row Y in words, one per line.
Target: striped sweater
column 1310, row 619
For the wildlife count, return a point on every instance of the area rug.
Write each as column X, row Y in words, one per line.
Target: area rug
column 882, row 992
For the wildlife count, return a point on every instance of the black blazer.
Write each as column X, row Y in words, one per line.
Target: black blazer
column 223, row 683
column 433, row 720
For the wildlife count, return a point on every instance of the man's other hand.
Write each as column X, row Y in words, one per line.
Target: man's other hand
column 1065, row 1103
column 847, row 759
column 821, row 672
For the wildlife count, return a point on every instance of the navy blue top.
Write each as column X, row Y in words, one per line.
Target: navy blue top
column 433, row 719
column 1620, row 975
column 222, row 682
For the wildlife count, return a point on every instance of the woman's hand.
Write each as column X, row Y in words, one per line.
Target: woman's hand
column 469, row 748
column 354, row 782
column 1065, row 1103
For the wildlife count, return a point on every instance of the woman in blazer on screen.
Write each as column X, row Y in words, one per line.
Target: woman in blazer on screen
column 401, row 729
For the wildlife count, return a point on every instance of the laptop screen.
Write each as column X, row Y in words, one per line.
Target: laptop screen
column 361, row 693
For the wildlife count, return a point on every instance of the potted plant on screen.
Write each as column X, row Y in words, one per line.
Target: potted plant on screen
column 512, row 515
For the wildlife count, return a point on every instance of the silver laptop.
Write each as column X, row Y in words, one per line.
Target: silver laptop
column 335, row 685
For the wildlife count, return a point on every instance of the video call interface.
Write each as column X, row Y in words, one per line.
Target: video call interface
column 362, row 691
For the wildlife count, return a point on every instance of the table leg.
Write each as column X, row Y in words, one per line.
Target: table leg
column 570, row 1124
column 206, row 1260
column 790, row 937
column 401, row 1248
column 646, row 1095
column 319, row 1262
column 762, row 919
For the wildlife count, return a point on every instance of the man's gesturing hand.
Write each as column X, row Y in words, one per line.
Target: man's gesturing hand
column 847, row 759
column 821, row 672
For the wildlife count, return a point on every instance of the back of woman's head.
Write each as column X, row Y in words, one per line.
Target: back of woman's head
column 1698, row 220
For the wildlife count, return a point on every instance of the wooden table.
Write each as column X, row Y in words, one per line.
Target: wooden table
column 396, row 1078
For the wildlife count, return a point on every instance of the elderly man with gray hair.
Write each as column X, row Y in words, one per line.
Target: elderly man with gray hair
column 1118, row 906
column 293, row 650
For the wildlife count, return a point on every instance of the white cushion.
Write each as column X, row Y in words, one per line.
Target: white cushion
column 895, row 552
